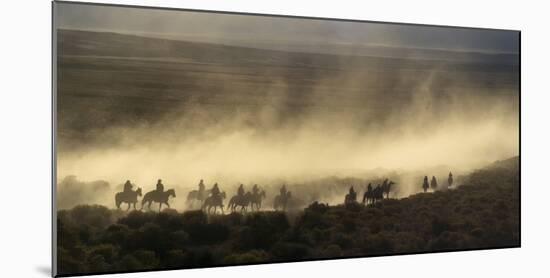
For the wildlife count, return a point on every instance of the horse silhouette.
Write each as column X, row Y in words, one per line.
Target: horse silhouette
column 239, row 201
column 386, row 188
column 129, row 197
column 368, row 196
column 425, row 184
column 159, row 197
column 281, row 201
column 433, row 183
column 213, row 202
column 350, row 198
column 193, row 196
column 256, row 200
column 377, row 194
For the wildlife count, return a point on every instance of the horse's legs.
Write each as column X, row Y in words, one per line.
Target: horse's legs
column 168, row 205
column 222, row 209
column 127, row 209
column 160, row 206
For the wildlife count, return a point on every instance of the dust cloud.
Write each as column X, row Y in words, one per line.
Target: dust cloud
column 151, row 94
column 426, row 134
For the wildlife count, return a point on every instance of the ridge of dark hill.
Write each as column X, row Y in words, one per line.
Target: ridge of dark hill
column 511, row 163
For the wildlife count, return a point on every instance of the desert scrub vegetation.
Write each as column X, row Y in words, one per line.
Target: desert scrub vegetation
column 481, row 213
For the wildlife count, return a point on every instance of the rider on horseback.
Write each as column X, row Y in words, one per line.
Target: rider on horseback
column 215, row 192
column 281, row 200
column 283, row 190
column 255, row 189
column 201, row 186
column 240, row 191
column 160, row 186
column 352, row 194
column 201, row 190
column 368, row 193
column 450, row 179
column 127, row 186
column 434, row 183
column 425, row 184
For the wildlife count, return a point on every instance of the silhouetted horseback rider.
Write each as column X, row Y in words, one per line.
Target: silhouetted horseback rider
column 450, row 179
column 201, row 186
column 240, row 191
column 351, row 197
column 201, row 190
column 368, row 193
column 127, row 186
column 160, row 186
column 255, row 189
column 425, row 184
column 433, row 183
column 385, row 183
column 283, row 190
column 215, row 191
column 281, row 200
column 352, row 191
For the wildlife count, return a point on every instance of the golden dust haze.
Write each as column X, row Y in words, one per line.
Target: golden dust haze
column 141, row 108
column 231, row 151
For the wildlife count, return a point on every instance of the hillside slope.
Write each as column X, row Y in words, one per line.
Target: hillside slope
column 482, row 213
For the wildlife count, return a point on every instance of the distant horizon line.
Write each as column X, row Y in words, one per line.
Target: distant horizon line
column 209, row 39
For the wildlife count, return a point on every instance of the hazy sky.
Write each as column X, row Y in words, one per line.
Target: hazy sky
column 231, row 29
